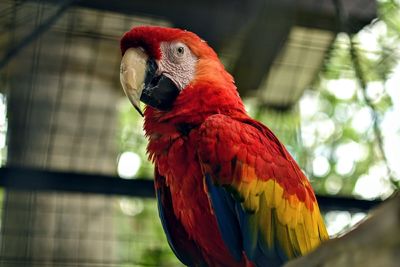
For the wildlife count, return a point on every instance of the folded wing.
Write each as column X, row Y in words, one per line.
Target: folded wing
column 263, row 202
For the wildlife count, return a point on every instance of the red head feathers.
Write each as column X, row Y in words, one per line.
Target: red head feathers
column 150, row 37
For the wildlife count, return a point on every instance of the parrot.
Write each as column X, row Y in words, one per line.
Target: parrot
column 228, row 191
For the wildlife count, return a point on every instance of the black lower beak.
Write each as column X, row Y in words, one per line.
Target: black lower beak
column 159, row 91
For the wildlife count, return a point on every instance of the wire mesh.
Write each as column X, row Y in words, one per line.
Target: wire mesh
column 62, row 91
column 82, row 230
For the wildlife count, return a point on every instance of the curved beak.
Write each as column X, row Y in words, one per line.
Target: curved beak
column 133, row 74
column 140, row 81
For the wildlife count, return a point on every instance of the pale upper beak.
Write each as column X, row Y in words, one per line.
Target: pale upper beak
column 133, row 74
column 142, row 82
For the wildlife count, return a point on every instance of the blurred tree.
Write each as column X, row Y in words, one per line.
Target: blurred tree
column 338, row 118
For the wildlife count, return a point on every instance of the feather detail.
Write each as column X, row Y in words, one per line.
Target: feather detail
column 182, row 245
column 275, row 205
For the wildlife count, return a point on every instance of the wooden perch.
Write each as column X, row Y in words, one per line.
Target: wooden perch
column 373, row 243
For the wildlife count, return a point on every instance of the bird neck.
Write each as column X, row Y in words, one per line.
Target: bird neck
column 193, row 106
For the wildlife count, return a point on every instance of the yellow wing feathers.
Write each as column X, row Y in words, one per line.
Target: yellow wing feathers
column 281, row 217
column 277, row 204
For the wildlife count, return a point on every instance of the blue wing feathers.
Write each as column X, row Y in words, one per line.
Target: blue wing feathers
column 240, row 229
column 223, row 206
column 182, row 257
column 255, row 247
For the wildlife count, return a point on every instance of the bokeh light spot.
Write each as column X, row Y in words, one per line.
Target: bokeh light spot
column 333, row 184
column 131, row 207
column 374, row 184
column 128, row 164
column 343, row 89
column 362, row 120
column 344, row 167
column 337, row 221
column 321, row 166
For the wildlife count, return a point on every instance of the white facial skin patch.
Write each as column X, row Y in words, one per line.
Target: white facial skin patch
column 177, row 63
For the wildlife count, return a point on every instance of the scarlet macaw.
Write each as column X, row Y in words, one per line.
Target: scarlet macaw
column 229, row 193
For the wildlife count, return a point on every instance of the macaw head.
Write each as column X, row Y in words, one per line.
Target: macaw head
column 158, row 64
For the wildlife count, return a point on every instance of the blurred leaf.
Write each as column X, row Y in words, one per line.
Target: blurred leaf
column 377, row 66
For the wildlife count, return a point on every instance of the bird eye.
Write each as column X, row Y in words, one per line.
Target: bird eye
column 180, row 50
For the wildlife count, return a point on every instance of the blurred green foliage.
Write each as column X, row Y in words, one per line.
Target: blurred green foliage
column 131, row 137
column 348, row 114
column 138, row 224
